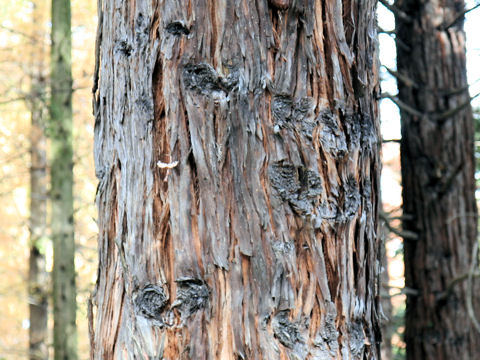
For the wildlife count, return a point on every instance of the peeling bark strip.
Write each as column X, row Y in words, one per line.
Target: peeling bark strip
column 438, row 180
column 238, row 173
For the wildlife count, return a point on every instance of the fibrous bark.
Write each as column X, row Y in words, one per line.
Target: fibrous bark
column 60, row 128
column 438, row 179
column 236, row 148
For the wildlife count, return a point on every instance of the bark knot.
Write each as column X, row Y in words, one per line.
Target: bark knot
column 150, row 301
column 177, row 28
column 285, row 331
column 332, row 138
column 202, row 78
column 291, row 112
column 299, row 186
column 192, row 295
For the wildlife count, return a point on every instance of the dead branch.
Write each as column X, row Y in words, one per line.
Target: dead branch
column 406, row 234
column 473, row 265
column 403, row 106
column 398, row 13
column 450, row 112
column 402, row 77
column 444, row 27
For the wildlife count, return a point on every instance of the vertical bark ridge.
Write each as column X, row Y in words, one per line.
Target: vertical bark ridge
column 260, row 239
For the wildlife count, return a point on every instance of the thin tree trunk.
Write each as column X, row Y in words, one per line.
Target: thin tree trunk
column 438, row 180
column 64, row 291
column 236, row 144
column 38, row 278
column 387, row 308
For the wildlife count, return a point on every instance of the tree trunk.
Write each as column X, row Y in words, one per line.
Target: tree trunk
column 64, row 291
column 438, row 179
column 38, row 278
column 236, row 144
column 388, row 326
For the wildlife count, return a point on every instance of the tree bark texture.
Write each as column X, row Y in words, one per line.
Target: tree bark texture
column 38, row 278
column 62, row 226
column 236, row 145
column 438, row 180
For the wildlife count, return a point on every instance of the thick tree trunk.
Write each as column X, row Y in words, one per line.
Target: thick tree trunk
column 236, row 147
column 64, row 290
column 38, row 278
column 438, row 180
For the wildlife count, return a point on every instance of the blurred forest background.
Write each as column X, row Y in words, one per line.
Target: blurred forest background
column 24, row 42
column 21, row 37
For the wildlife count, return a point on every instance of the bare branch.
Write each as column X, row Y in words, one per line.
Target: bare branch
column 401, row 77
column 401, row 217
column 383, row 31
column 411, row 83
column 399, row 13
column 403, row 106
column 9, row 101
column 17, row 32
column 403, row 291
column 437, row 117
column 470, row 310
column 391, row 141
column 443, row 27
column 450, row 112
column 451, row 286
column 410, row 235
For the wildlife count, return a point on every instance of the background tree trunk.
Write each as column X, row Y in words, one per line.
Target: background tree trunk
column 438, row 179
column 236, row 144
column 38, row 278
column 64, row 291
column 387, row 328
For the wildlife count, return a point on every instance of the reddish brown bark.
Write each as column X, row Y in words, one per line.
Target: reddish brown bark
column 438, row 180
column 236, row 147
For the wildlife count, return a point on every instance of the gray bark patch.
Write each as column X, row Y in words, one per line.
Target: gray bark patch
column 285, row 331
column 203, row 79
column 150, row 301
column 357, row 338
column 177, row 28
column 123, row 47
column 142, row 30
column 327, row 337
column 332, row 138
column 369, row 133
column 352, row 199
column 297, row 185
column 192, row 295
column 292, row 113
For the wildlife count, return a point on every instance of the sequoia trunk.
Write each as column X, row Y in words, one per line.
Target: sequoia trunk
column 438, row 179
column 236, row 144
